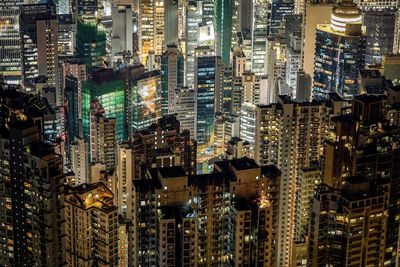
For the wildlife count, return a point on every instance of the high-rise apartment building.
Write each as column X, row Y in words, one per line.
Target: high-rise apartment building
column 349, row 226
column 79, row 162
column 32, row 183
column 339, row 52
column 39, row 46
column 363, row 144
column 102, row 140
column 91, row 226
column 161, row 144
column 291, row 136
column 221, row 221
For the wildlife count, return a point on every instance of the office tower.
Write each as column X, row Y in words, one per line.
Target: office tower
column 172, row 17
column 194, row 18
column 79, row 162
column 10, row 49
column 185, row 108
column 380, row 27
column 162, row 144
column 275, row 62
column 90, row 44
column 109, row 89
column 339, row 52
column 280, row 9
column 172, row 77
column 303, row 87
column 293, row 50
column 314, row 14
column 216, row 228
column 259, row 34
column 86, row 10
column 66, row 36
column 391, row 68
column 150, row 28
column 39, row 46
column 32, row 186
column 207, row 85
column 291, row 136
column 121, row 40
column 223, row 28
column 102, row 139
column 146, row 100
column 159, row 45
column 91, row 224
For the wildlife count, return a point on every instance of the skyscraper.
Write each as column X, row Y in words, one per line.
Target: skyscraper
column 39, row 47
column 223, row 28
column 146, row 100
column 91, row 223
column 121, row 42
column 32, row 182
column 215, row 229
column 194, row 18
column 10, row 49
column 259, row 34
column 339, row 52
column 172, row 77
column 207, row 85
column 380, row 26
column 102, row 141
column 90, row 43
column 109, row 89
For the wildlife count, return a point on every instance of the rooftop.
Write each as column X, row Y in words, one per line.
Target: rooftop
column 88, row 196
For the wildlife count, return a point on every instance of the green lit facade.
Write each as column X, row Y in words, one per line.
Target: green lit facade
column 223, row 28
column 90, row 43
column 111, row 95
